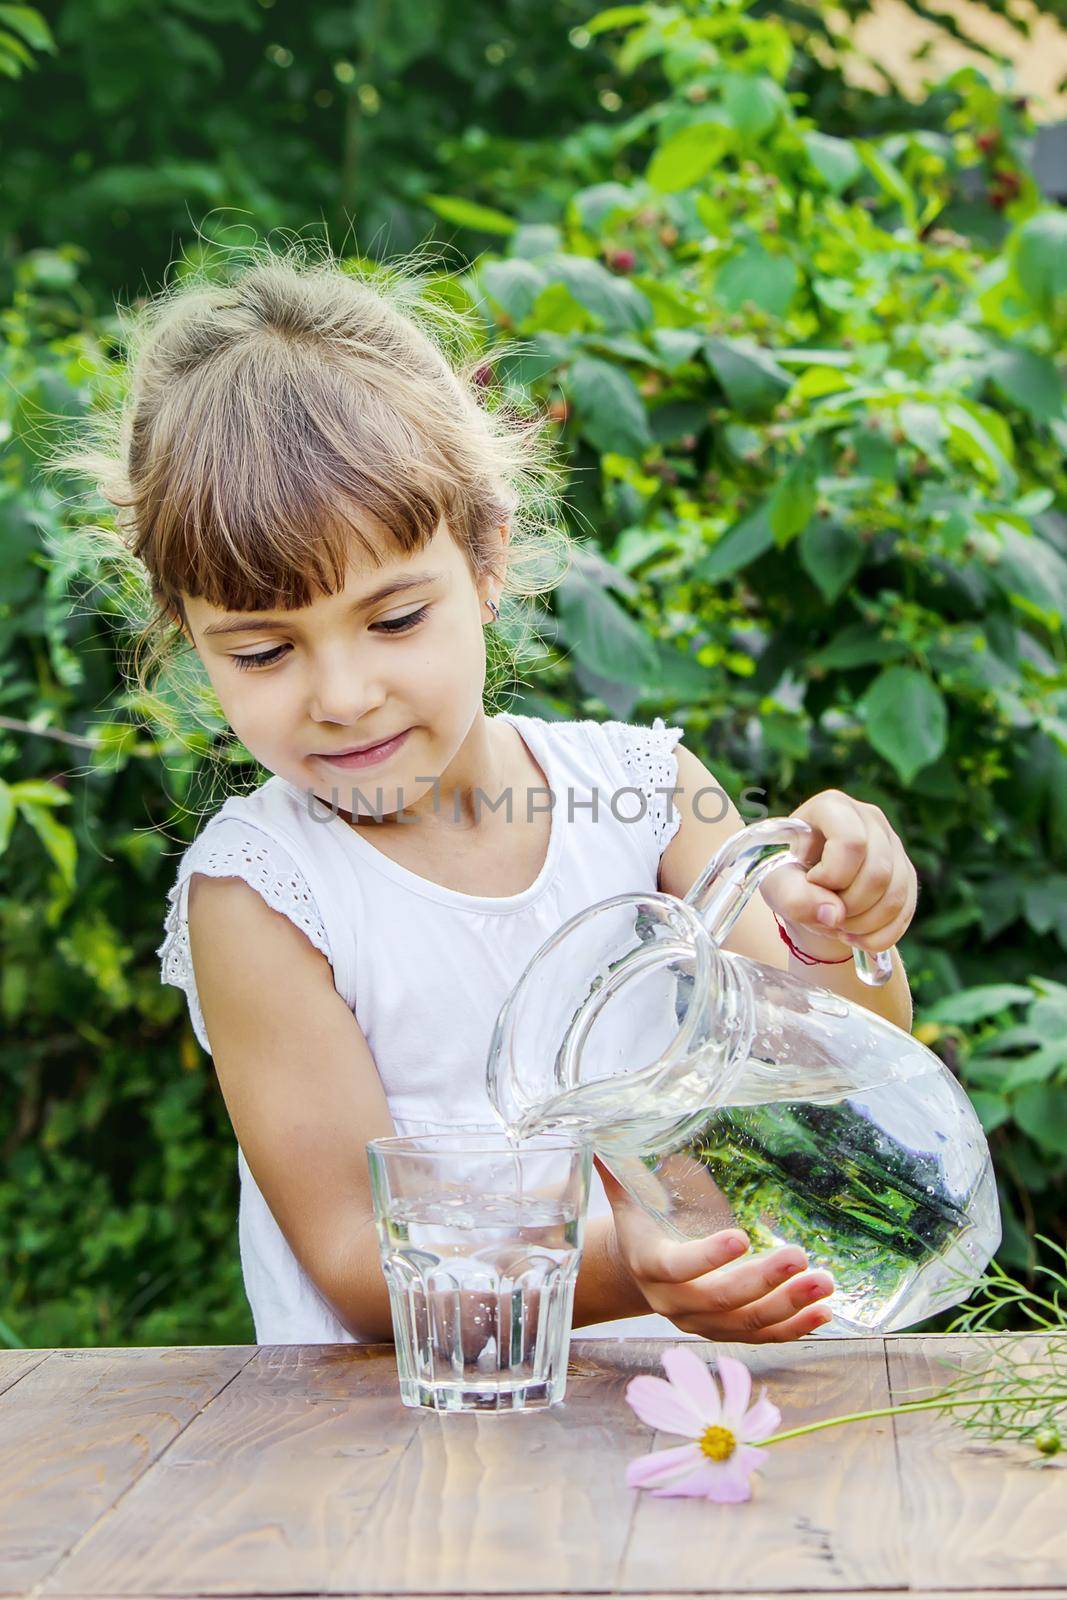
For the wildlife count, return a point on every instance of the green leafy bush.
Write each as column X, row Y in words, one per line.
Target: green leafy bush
column 817, row 438
column 811, row 397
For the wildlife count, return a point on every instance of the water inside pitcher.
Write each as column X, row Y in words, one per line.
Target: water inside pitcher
column 723, row 1092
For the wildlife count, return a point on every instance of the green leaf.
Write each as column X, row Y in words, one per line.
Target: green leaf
column 787, row 733
column 57, row 840
column 923, row 426
column 831, row 555
column 1027, row 565
column 750, row 377
column 858, row 645
column 686, row 157
column 600, row 201
column 906, row 719
column 769, row 281
column 676, row 345
column 1039, row 1067
column 1041, row 1112
column 1030, row 381
column 1045, row 905
column 600, row 634
column 514, row 285
column 992, row 1109
column 793, row 499
column 610, row 412
column 531, row 240
column 1040, row 257
column 835, row 160
column 616, row 17
column 30, row 24
column 975, row 1005
column 468, row 214
column 889, row 180
column 982, row 436
column 754, row 104
column 740, row 545
column 677, row 675
column 614, row 300
column 40, row 792
column 7, row 815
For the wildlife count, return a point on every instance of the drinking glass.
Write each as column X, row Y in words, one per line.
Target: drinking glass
column 480, row 1244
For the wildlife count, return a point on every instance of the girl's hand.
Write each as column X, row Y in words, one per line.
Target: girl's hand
column 767, row 1300
column 861, row 888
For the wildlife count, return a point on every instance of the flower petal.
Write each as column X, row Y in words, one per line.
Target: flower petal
column 746, row 1458
column 730, row 1485
column 736, row 1383
column 693, row 1376
column 695, row 1483
column 714, row 1480
column 662, row 1406
column 760, row 1420
column 660, row 1466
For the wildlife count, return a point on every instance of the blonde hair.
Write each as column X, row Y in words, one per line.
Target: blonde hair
column 264, row 409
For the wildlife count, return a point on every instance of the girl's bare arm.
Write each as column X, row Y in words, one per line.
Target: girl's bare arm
column 301, row 1088
column 304, row 1096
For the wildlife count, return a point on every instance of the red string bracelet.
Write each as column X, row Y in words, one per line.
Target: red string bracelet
column 802, row 955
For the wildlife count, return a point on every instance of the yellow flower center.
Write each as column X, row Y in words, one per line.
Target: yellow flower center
column 718, row 1443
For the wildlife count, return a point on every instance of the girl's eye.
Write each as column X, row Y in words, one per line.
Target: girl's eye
column 247, row 663
column 402, row 624
column 264, row 659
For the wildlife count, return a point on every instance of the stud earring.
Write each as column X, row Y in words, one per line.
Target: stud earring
column 494, row 609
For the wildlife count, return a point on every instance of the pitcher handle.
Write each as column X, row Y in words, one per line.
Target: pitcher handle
column 730, row 878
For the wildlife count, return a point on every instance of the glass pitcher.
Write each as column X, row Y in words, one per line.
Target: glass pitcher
column 724, row 1092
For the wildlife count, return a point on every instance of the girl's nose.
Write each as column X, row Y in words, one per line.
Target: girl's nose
column 341, row 694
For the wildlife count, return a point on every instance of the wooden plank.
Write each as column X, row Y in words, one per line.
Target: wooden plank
column 298, row 1478
column 308, row 1474
column 77, row 1430
column 663, row 1594
column 809, row 1523
column 980, row 1516
column 15, row 1364
column 272, row 1487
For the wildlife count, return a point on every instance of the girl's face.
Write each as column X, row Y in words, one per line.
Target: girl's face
column 356, row 668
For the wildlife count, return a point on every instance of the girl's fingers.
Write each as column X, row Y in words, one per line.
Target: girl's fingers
column 893, row 911
column 741, row 1284
column 872, row 882
column 847, row 835
column 670, row 1261
column 790, row 1311
column 794, row 1328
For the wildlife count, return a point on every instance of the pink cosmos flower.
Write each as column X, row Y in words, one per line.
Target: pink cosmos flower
column 721, row 1458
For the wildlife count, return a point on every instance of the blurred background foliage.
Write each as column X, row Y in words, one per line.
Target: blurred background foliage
column 803, row 345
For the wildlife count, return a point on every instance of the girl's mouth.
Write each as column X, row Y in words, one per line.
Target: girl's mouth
column 367, row 758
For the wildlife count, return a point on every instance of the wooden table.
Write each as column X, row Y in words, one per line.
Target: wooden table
column 294, row 1470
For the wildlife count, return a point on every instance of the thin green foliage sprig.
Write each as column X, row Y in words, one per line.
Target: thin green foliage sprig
column 998, row 1290
column 1003, row 1391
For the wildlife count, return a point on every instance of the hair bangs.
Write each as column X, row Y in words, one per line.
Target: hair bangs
column 263, row 500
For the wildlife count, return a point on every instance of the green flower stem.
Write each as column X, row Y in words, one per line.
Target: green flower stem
column 908, row 1405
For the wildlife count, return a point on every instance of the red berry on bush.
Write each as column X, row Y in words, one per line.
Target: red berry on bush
column 987, row 140
column 622, row 260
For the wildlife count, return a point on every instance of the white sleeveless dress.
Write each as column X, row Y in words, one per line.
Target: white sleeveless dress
column 377, row 923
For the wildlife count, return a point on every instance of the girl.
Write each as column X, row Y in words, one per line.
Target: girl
column 333, row 514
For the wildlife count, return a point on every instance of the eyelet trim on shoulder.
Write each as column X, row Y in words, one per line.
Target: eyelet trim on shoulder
column 233, row 849
column 648, row 756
